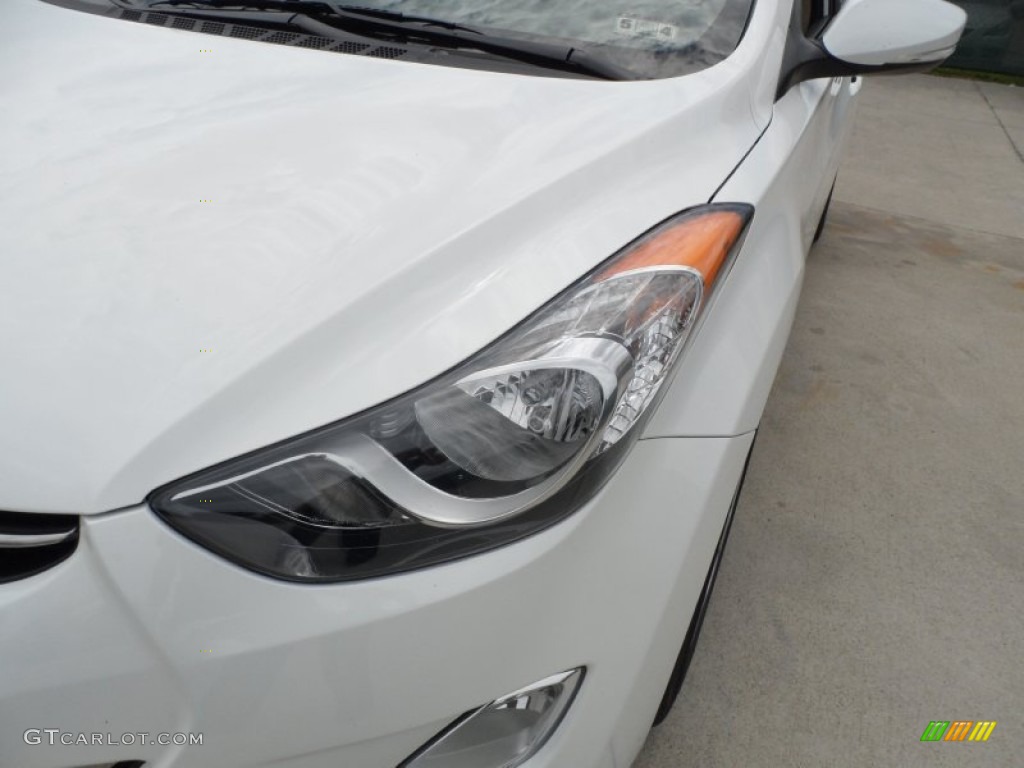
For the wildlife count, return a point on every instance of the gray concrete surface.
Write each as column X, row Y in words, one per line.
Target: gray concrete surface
column 874, row 579
column 941, row 149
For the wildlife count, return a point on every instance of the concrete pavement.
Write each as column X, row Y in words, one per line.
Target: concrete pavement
column 874, row 580
column 941, row 149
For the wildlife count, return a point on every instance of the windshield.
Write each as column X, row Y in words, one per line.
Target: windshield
column 652, row 38
column 638, row 38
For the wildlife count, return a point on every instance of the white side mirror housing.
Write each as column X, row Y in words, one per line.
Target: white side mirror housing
column 878, row 33
column 870, row 37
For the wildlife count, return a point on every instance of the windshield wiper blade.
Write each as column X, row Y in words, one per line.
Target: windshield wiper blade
column 323, row 17
column 301, row 6
column 398, row 17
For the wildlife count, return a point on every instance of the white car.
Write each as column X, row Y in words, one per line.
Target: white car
column 378, row 381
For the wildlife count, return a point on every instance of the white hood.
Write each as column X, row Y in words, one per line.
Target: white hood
column 370, row 223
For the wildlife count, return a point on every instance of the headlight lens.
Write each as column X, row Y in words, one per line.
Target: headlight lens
column 508, row 443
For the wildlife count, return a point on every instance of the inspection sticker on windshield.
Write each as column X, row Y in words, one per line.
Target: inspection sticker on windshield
column 634, row 27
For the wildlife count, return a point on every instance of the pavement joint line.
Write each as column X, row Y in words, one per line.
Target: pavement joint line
column 999, row 120
column 933, row 222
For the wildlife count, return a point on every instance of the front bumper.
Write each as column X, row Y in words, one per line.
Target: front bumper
column 143, row 631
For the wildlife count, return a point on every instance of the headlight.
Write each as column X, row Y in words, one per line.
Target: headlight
column 506, row 444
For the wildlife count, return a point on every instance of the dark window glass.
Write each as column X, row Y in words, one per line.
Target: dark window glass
column 816, row 14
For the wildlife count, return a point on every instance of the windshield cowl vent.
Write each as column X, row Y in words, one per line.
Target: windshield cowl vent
column 277, row 37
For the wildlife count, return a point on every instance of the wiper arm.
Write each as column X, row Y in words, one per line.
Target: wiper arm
column 396, row 16
column 326, row 18
column 337, row 9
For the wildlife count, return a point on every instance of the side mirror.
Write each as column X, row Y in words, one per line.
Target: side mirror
column 875, row 36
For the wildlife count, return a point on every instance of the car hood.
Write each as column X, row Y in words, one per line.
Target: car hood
column 213, row 244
